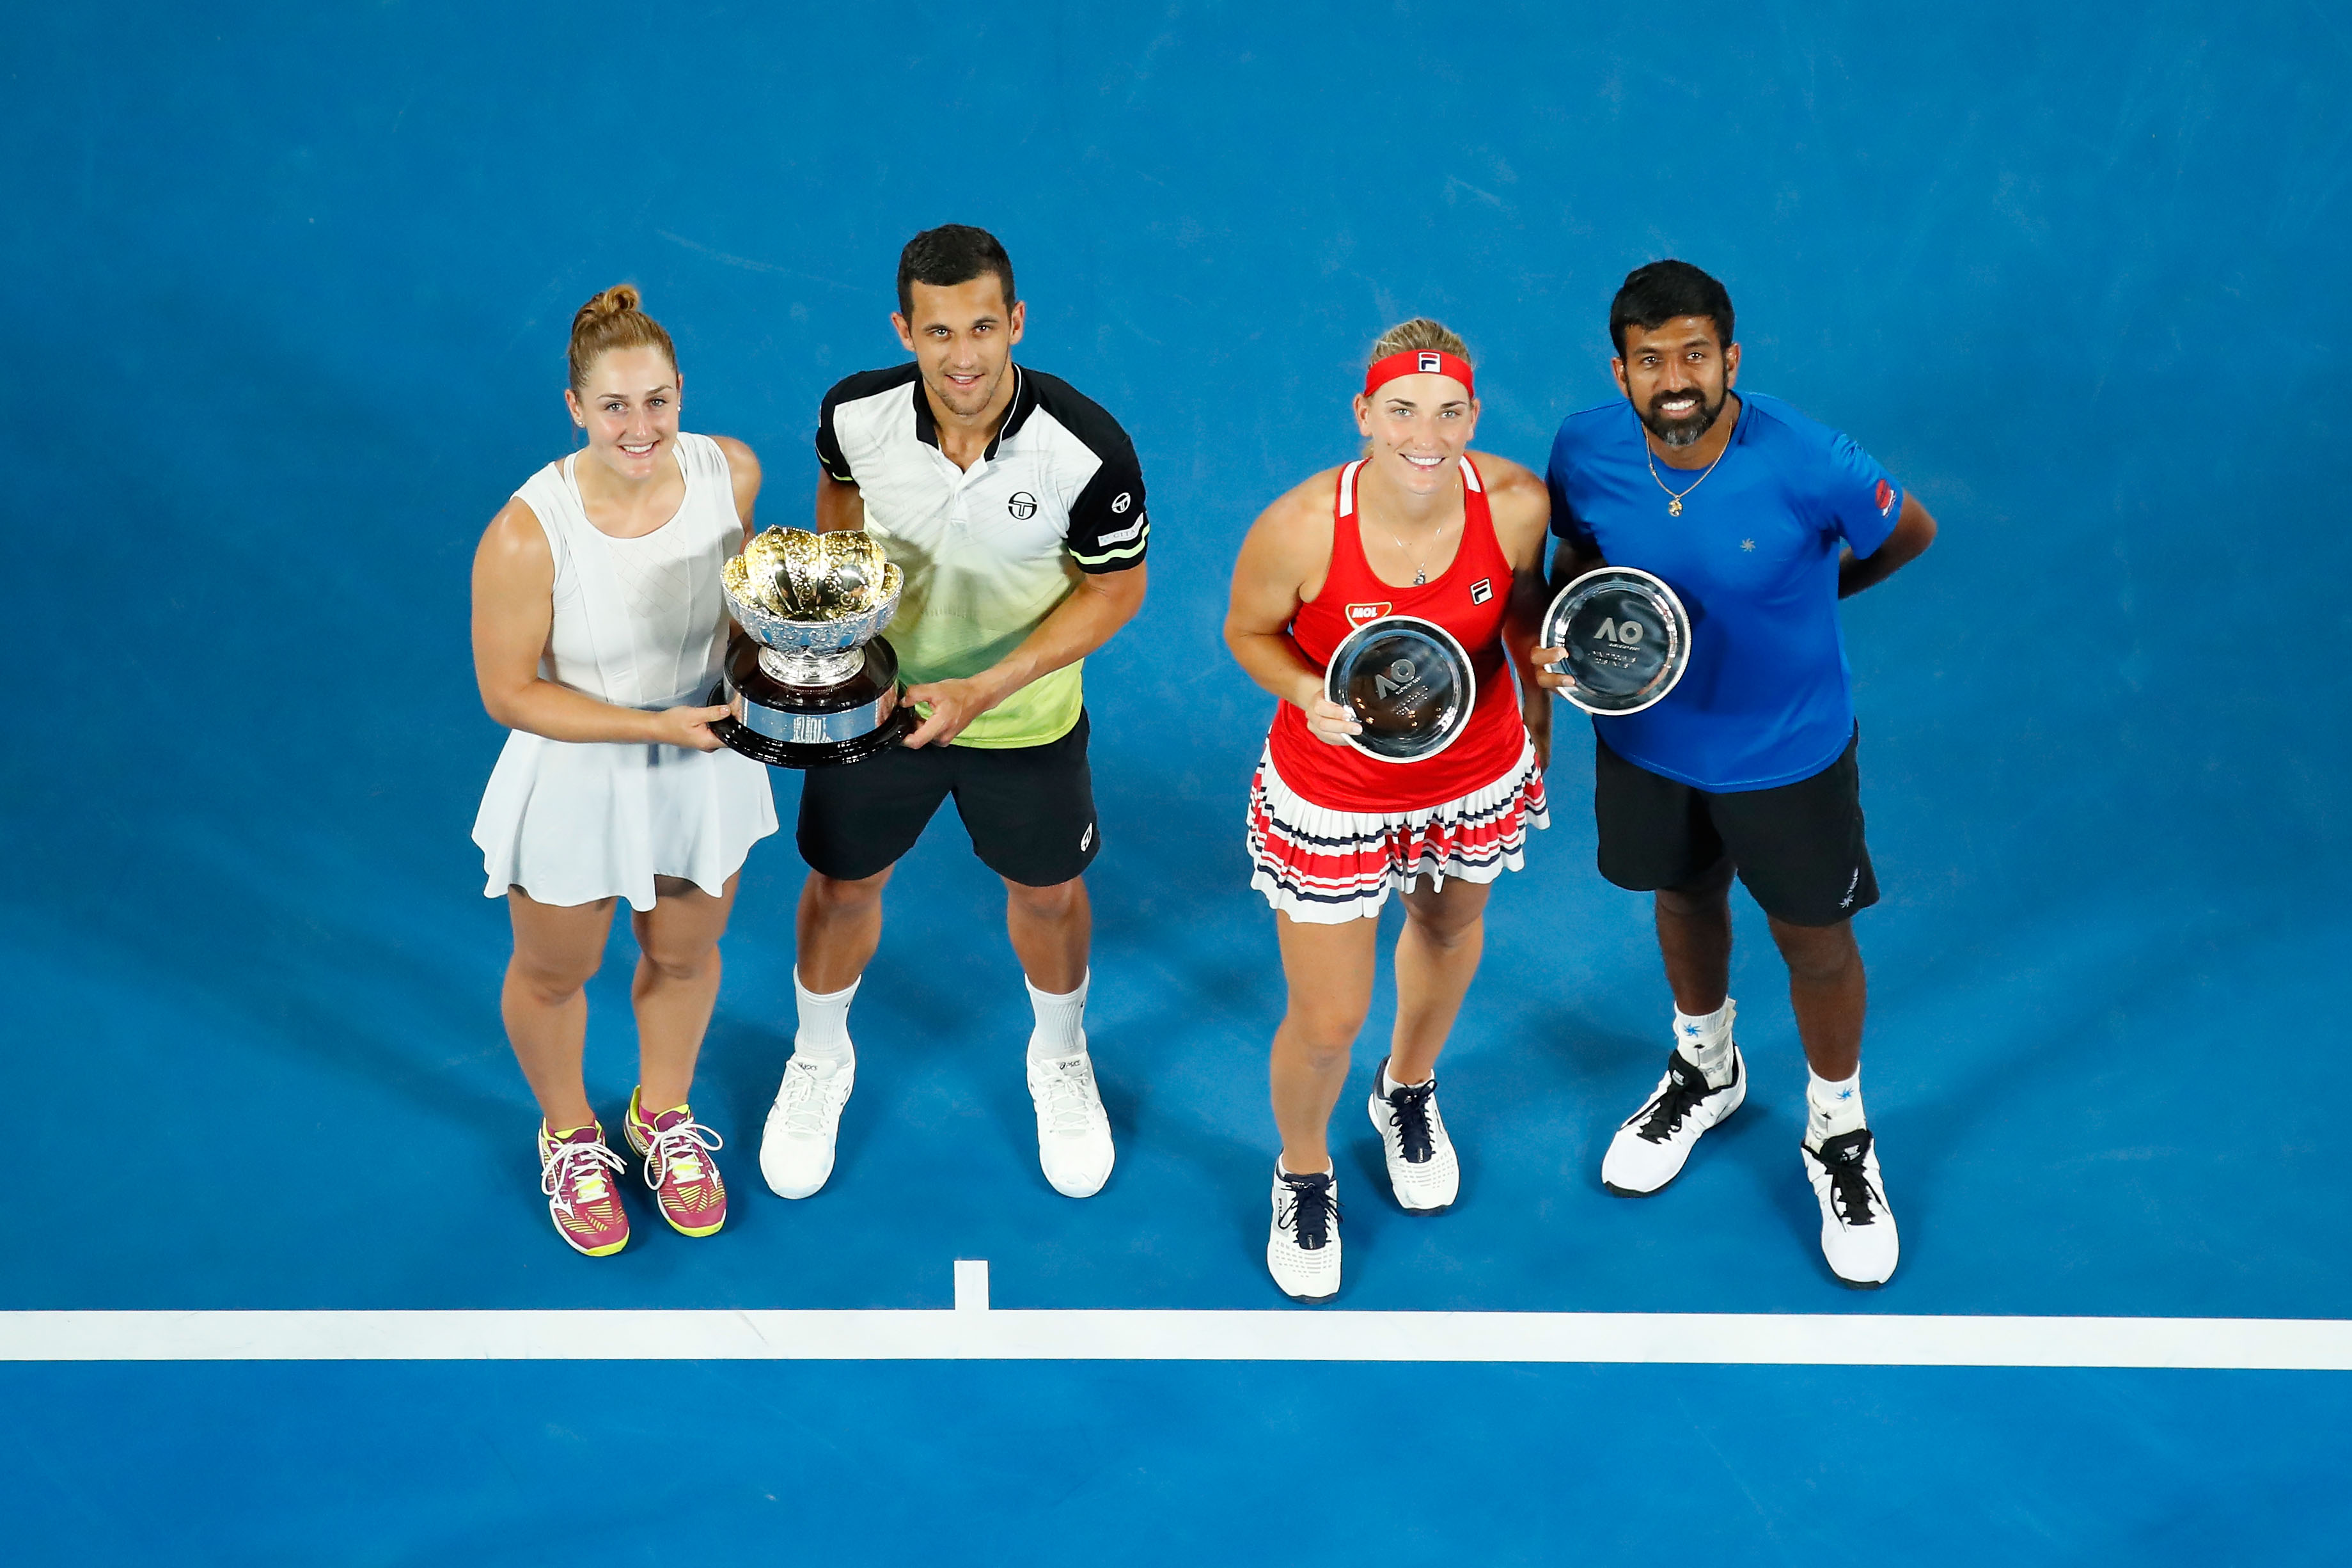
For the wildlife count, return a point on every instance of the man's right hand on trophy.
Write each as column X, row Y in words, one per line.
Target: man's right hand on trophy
column 954, row 705
column 687, row 727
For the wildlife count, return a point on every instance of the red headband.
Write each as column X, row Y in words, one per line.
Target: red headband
column 1419, row 361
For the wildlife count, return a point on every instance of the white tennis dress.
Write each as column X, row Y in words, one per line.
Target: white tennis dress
column 639, row 622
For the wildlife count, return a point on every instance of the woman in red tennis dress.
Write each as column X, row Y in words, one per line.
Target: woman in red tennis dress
column 1418, row 526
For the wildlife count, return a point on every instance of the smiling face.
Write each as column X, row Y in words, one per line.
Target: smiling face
column 961, row 335
column 1678, row 377
column 629, row 410
column 1419, row 426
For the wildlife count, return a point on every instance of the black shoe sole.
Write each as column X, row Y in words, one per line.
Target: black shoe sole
column 1654, row 1192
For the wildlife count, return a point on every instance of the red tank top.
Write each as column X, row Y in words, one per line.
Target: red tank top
column 1469, row 600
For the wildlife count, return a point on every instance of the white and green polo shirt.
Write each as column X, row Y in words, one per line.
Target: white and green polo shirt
column 990, row 551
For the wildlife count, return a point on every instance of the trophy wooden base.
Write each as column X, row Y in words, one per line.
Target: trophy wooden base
column 807, row 726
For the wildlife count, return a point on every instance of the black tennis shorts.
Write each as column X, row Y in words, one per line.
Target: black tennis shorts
column 1030, row 809
column 1798, row 847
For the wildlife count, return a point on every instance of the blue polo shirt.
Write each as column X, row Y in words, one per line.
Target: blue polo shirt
column 1767, row 699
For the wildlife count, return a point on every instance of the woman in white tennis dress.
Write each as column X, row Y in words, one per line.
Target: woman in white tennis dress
column 598, row 633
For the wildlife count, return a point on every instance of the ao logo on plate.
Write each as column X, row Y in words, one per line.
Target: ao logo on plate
column 1628, row 633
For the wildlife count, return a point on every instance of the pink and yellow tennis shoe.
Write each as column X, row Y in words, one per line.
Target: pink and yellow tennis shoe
column 575, row 1172
column 678, row 1167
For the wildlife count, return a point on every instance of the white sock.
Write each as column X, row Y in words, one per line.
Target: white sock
column 1281, row 1170
column 1832, row 1107
column 1061, row 1028
column 1705, row 1041
column 1389, row 1086
column 823, row 1035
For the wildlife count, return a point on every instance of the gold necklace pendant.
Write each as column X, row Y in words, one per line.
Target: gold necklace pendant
column 1674, row 496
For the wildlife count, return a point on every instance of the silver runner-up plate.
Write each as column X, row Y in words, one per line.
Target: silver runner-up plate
column 1628, row 639
column 1409, row 684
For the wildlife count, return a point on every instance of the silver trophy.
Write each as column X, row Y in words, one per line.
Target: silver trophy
column 1408, row 682
column 1627, row 636
column 816, row 685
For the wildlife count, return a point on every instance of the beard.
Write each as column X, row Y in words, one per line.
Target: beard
column 1686, row 430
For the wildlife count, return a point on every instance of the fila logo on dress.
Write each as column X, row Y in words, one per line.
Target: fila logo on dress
column 1358, row 614
column 1482, row 590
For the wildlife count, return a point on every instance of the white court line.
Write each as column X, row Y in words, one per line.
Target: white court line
column 978, row 1335
column 971, row 1331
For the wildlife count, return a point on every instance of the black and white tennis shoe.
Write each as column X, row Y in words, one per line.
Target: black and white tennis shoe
column 1857, row 1227
column 1651, row 1146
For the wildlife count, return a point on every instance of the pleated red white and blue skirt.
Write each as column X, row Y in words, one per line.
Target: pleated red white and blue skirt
column 1324, row 867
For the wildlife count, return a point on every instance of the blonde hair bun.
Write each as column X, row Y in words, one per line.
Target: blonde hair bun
column 613, row 319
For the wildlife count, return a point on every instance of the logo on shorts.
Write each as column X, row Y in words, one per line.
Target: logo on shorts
column 1431, row 364
column 1021, row 505
column 1886, row 497
column 1852, row 884
column 1358, row 614
column 1087, row 838
column 1123, row 502
column 1482, row 590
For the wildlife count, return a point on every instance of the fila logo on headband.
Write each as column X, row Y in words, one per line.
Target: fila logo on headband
column 1418, row 362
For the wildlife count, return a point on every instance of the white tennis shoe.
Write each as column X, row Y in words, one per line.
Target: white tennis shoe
column 1302, row 1249
column 1074, row 1145
column 1857, row 1227
column 1423, row 1171
column 1649, row 1150
column 796, row 1149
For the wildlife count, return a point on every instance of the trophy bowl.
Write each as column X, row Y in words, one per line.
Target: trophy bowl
column 1408, row 682
column 1627, row 636
column 814, row 685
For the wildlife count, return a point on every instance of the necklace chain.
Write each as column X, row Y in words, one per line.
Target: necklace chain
column 1673, row 497
column 1421, row 566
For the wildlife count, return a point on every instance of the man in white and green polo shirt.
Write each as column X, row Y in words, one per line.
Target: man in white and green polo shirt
column 1015, row 506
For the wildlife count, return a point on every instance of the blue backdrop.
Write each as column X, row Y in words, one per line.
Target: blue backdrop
column 290, row 287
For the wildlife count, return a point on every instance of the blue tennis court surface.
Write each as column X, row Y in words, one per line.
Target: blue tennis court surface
column 290, row 287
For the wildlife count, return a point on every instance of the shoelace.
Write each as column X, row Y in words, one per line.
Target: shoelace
column 1850, row 1194
column 1663, row 1117
column 1312, row 1210
column 686, row 1141
column 804, row 1090
column 569, row 1166
column 1409, row 1114
column 1069, row 1100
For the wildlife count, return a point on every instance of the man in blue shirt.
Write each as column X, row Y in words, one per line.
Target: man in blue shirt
column 1761, row 520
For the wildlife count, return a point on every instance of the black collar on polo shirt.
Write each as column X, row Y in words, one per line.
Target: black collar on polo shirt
column 1024, row 399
